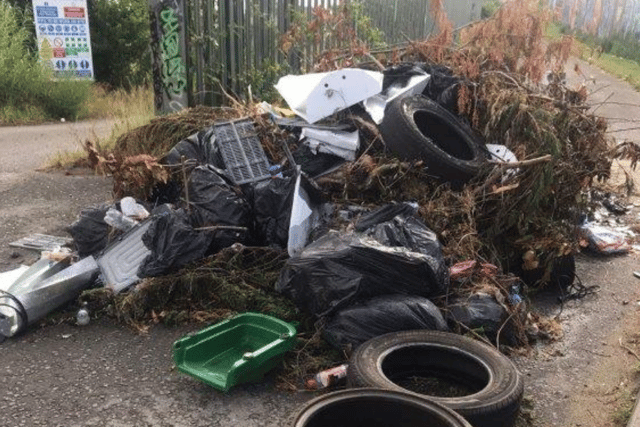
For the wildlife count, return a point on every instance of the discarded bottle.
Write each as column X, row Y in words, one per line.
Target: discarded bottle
column 327, row 378
column 82, row 317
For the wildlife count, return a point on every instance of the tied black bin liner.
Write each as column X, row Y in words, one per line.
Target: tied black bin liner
column 381, row 315
column 173, row 243
column 198, row 147
column 214, row 201
column 340, row 269
column 271, row 202
column 443, row 87
column 480, row 311
column 90, row 232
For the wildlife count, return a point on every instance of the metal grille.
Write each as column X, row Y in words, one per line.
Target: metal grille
column 241, row 151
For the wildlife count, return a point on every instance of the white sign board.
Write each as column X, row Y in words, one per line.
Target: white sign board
column 62, row 29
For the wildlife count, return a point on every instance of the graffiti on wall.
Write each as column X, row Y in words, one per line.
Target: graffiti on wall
column 174, row 72
column 169, row 62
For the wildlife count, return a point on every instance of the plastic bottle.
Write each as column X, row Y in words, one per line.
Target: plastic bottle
column 82, row 317
column 327, row 378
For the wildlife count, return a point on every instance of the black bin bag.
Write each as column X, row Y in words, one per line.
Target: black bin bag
column 90, row 232
column 388, row 313
column 340, row 269
column 173, row 243
column 215, row 202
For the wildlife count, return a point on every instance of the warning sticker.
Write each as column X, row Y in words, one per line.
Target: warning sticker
column 62, row 29
column 74, row 12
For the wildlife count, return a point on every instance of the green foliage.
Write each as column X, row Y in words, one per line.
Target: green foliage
column 489, row 8
column 65, row 98
column 263, row 79
column 26, row 90
column 120, row 35
column 365, row 28
column 18, row 70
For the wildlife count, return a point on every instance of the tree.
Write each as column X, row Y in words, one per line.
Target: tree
column 120, row 35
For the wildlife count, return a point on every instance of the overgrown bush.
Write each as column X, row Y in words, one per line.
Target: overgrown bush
column 120, row 35
column 26, row 89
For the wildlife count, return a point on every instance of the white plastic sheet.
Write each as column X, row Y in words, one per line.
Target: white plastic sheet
column 376, row 105
column 316, row 96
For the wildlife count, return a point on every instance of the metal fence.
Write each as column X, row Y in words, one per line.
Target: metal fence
column 600, row 17
column 232, row 45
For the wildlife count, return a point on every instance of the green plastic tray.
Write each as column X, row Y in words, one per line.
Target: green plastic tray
column 238, row 350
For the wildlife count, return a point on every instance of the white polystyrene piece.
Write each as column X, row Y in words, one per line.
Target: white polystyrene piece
column 133, row 209
column 316, row 96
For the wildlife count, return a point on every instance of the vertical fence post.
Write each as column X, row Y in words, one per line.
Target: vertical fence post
column 169, row 47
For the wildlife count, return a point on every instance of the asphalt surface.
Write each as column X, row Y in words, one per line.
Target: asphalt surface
column 104, row 374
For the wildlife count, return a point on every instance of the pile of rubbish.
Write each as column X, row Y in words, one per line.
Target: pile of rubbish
column 416, row 196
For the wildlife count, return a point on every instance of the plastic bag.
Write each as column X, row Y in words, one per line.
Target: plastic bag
column 401, row 74
column 271, row 206
column 478, row 311
column 90, row 232
column 340, row 269
column 173, row 243
column 214, row 201
column 604, row 240
column 199, row 147
column 381, row 315
column 443, row 87
column 118, row 220
column 385, row 213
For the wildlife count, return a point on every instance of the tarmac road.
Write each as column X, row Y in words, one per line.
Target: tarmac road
column 103, row 374
column 106, row 375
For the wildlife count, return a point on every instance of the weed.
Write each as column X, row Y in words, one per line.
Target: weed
column 623, row 412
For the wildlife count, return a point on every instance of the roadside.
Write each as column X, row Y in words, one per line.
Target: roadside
column 106, row 375
column 589, row 377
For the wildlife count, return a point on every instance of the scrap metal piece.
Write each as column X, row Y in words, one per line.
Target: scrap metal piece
column 316, row 96
column 36, row 273
column 119, row 263
column 41, row 242
column 9, row 277
column 22, row 306
column 241, row 151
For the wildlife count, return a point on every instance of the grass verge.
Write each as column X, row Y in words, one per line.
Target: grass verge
column 127, row 110
column 625, row 69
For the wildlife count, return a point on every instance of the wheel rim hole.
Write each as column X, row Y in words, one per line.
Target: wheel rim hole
column 374, row 411
column 435, row 372
column 445, row 136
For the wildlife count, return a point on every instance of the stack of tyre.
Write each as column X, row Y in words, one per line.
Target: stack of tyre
column 488, row 389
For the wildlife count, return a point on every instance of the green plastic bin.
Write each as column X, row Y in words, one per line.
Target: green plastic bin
column 238, row 350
